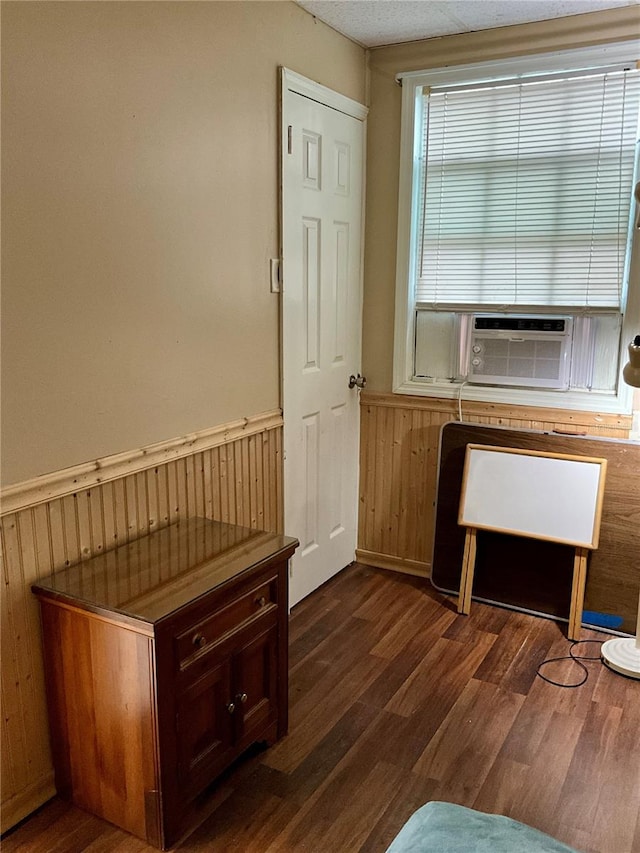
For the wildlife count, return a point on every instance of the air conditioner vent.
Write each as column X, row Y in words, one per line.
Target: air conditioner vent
column 525, row 351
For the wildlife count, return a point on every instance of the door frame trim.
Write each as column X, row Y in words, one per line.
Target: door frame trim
column 293, row 82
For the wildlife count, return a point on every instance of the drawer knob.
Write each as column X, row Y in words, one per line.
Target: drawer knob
column 242, row 697
column 261, row 601
column 199, row 640
column 231, row 707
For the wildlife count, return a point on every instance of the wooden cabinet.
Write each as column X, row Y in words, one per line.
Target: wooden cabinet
column 164, row 660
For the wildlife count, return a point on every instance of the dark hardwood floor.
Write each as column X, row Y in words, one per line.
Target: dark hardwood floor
column 396, row 700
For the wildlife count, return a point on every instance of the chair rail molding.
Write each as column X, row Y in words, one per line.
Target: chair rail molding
column 68, row 480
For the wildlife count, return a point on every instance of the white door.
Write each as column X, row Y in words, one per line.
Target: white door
column 322, row 171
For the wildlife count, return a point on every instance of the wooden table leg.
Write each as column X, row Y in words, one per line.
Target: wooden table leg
column 468, row 567
column 577, row 593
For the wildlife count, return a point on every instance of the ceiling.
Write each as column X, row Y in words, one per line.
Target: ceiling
column 372, row 23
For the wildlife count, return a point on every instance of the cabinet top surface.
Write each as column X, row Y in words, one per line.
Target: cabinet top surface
column 153, row 576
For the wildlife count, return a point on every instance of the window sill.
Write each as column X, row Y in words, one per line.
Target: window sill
column 584, row 401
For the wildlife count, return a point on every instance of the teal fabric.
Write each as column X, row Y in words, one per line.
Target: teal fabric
column 447, row 828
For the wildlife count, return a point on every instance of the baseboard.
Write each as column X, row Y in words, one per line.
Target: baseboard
column 27, row 801
column 394, row 564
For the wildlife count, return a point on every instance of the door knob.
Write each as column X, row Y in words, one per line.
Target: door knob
column 357, row 381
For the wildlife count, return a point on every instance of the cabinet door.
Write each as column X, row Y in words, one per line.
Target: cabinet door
column 204, row 726
column 255, row 682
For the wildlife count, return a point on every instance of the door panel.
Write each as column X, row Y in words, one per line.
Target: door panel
column 340, row 303
column 204, row 736
column 321, row 309
column 337, row 484
column 255, row 686
column 310, row 459
column 311, row 291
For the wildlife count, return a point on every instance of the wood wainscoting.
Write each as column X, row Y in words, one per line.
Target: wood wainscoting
column 399, row 437
column 230, row 473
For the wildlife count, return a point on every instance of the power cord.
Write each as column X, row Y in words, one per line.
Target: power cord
column 460, row 387
column 576, row 658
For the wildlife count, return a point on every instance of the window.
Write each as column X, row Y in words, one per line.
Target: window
column 514, row 235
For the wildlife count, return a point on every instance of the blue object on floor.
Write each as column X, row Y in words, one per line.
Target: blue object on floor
column 601, row 620
column 447, row 828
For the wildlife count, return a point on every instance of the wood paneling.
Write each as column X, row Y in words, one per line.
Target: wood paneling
column 399, row 466
column 237, row 481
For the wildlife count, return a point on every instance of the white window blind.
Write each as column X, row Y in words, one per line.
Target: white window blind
column 525, row 192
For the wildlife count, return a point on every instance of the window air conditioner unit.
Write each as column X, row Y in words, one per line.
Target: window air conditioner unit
column 504, row 349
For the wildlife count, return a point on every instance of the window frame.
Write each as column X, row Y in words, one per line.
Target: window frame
column 619, row 402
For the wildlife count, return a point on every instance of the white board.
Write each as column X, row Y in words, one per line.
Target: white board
column 528, row 493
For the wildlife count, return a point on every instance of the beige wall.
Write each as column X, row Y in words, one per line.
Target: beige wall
column 140, row 208
column 384, row 145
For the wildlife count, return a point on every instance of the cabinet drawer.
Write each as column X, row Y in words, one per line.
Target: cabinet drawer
column 199, row 637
